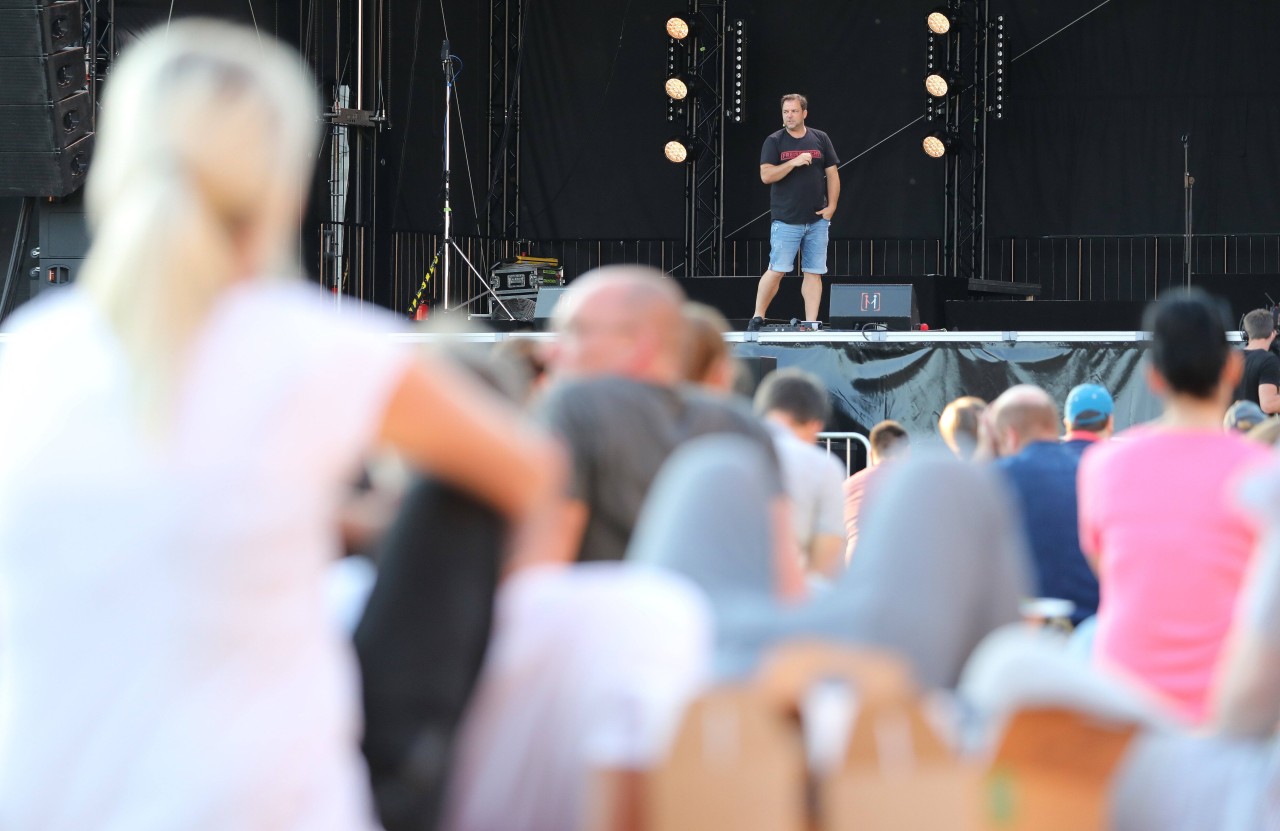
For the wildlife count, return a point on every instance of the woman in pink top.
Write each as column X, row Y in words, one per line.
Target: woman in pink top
column 1157, row 514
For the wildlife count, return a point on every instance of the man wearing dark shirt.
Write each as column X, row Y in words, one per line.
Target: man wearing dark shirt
column 1042, row 471
column 1261, row 381
column 802, row 167
column 618, row 403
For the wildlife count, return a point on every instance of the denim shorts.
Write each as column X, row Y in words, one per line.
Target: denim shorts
column 785, row 240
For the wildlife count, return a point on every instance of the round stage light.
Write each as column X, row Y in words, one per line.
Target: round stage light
column 940, row 21
column 936, row 85
column 677, row 88
column 676, row 150
column 678, row 27
column 938, row 144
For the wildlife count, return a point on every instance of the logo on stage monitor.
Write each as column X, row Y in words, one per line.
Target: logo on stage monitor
column 870, row 301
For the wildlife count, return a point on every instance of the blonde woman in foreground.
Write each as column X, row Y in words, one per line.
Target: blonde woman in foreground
column 178, row 428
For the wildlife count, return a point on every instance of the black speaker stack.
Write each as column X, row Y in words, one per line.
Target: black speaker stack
column 46, row 114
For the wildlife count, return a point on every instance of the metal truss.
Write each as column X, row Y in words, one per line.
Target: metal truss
column 973, row 61
column 506, row 42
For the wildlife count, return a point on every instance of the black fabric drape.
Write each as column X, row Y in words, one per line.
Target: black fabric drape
column 912, row 382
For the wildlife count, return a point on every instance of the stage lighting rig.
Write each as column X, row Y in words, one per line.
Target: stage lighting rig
column 965, row 66
column 680, row 85
column 678, row 149
column 705, row 83
column 737, row 91
column 941, row 20
column 1000, row 60
column 939, row 143
column 941, row 84
column 679, row 26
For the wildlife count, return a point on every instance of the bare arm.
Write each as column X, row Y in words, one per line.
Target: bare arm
column 770, row 173
column 826, row 554
column 1247, row 703
column 833, row 192
column 1269, row 398
column 791, row 584
column 556, row 536
column 447, row 423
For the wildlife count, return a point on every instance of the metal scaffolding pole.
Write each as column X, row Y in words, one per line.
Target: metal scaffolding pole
column 506, row 42
column 705, row 121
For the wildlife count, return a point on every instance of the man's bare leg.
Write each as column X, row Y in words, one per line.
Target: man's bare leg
column 811, row 291
column 768, row 288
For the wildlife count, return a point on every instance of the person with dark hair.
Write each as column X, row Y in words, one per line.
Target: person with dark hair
column 889, row 441
column 1042, row 472
column 958, row 425
column 1158, row 517
column 796, row 406
column 803, row 171
column 1261, row 381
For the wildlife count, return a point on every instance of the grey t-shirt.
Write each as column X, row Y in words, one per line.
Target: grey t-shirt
column 620, row 432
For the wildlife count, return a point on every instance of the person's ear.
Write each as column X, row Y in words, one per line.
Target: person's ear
column 1156, row 381
column 1233, row 370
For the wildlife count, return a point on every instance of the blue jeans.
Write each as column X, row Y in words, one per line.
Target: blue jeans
column 810, row 240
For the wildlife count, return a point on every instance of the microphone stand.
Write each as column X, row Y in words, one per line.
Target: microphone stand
column 446, row 64
column 1188, row 186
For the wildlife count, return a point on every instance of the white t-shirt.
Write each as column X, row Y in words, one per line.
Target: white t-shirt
column 814, row 482
column 590, row 667
column 168, row 659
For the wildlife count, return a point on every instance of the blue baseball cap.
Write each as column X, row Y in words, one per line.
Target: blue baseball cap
column 1243, row 416
column 1088, row 404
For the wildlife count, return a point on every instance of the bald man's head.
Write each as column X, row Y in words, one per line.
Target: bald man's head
column 1021, row 415
column 621, row 320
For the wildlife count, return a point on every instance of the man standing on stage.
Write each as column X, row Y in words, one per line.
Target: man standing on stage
column 802, row 167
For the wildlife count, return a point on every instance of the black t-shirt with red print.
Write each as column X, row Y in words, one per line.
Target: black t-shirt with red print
column 798, row 196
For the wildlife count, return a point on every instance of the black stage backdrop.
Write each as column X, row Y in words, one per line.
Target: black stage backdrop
column 1090, row 145
column 913, row 382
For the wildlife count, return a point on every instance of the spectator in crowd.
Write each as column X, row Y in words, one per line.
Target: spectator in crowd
column 169, row 659
column 590, row 669
column 1268, row 432
column 795, row 405
column 1042, row 472
column 1158, row 517
column 620, row 407
column 707, row 360
column 1243, row 416
column 942, row 560
column 1260, row 382
column 959, row 423
column 1089, row 417
column 521, row 359
column 889, row 441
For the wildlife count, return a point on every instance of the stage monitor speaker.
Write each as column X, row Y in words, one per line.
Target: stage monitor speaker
column 892, row 305
column 547, row 299
column 46, row 116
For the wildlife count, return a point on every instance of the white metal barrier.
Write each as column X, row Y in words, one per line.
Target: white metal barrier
column 848, row 439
